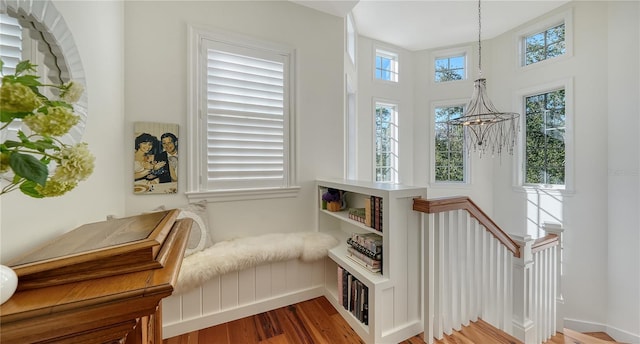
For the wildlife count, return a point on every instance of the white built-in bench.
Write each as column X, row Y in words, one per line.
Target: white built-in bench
column 241, row 277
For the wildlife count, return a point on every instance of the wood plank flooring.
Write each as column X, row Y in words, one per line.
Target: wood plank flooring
column 316, row 322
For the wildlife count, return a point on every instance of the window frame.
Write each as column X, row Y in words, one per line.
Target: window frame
column 542, row 26
column 391, row 55
column 465, row 155
column 196, row 121
column 520, row 162
column 396, row 163
column 448, row 53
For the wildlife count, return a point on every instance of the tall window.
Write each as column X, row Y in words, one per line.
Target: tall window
column 386, row 65
column 450, row 68
column 450, row 159
column 386, row 136
column 544, row 45
column 245, row 120
column 545, row 138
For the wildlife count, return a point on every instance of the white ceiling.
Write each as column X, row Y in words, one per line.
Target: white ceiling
column 426, row 24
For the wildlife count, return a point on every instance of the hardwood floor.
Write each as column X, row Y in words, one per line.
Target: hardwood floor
column 316, row 322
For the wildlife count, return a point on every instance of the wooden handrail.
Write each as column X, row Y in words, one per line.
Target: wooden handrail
column 545, row 242
column 437, row 205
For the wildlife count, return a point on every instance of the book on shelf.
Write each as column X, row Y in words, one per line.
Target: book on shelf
column 370, row 241
column 373, row 262
column 373, row 212
column 355, row 298
column 340, row 282
column 367, row 212
column 360, row 262
column 357, row 214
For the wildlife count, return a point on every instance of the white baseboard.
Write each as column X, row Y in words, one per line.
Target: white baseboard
column 587, row 326
column 208, row 320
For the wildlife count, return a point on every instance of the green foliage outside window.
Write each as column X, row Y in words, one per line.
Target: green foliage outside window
column 385, row 136
column 449, row 68
column 545, row 45
column 449, row 146
column 545, row 130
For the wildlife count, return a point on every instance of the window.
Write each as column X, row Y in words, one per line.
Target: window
column 386, row 136
column 545, row 150
column 544, row 45
column 386, row 66
column 449, row 145
column 11, row 43
column 351, row 39
column 244, row 123
column 450, row 68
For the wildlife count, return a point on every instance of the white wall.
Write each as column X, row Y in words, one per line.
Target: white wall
column 97, row 28
column 428, row 95
column 623, row 296
column 597, row 276
column 156, row 87
column 370, row 91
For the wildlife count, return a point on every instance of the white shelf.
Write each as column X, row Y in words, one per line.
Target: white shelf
column 344, row 216
column 369, row 278
column 393, row 317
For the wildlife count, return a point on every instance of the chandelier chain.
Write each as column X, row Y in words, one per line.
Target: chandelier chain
column 479, row 39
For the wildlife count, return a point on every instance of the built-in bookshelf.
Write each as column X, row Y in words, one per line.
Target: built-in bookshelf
column 374, row 274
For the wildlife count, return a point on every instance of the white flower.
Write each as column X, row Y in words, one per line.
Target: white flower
column 72, row 92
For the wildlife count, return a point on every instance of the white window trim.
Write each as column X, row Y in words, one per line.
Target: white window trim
column 564, row 17
column 196, row 155
column 351, row 129
column 466, row 51
column 391, row 52
column 353, row 33
column 396, row 104
column 432, row 152
column 518, row 166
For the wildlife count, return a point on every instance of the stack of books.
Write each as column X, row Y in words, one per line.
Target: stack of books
column 366, row 250
column 353, row 295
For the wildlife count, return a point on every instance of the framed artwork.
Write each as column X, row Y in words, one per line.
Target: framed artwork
column 155, row 158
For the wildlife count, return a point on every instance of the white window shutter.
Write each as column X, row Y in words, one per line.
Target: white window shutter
column 10, row 42
column 245, row 118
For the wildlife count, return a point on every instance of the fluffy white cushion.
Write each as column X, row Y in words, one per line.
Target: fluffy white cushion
column 242, row 253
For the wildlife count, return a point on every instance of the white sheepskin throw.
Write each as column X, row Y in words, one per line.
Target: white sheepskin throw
column 242, row 253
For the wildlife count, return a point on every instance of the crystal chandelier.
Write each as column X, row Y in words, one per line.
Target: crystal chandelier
column 486, row 129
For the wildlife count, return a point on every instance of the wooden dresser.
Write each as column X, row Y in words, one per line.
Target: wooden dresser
column 103, row 302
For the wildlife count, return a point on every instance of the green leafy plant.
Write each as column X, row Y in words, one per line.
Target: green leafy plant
column 25, row 162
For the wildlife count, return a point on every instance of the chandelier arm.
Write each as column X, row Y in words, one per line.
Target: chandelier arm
column 486, row 129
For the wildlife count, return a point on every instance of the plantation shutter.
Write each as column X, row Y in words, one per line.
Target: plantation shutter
column 10, row 42
column 246, row 112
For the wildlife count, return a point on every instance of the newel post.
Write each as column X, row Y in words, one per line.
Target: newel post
column 523, row 326
column 555, row 228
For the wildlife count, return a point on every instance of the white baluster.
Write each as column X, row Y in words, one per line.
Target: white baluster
column 554, row 228
column 429, row 275
column 523, row 321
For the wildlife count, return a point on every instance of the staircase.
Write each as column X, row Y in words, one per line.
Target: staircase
column 475, row 273
column 481, row 332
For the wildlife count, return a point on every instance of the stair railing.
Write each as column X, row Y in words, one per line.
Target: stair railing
column 473, row 269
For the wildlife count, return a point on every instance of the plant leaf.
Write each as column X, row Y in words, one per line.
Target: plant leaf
column 29, row 167
column 29, row 188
